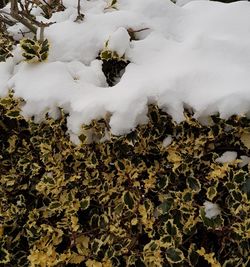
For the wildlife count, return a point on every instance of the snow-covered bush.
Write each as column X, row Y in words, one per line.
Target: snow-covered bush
column 131, row 200
column 120, row 146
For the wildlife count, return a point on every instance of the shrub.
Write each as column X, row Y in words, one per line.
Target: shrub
column 128, row 201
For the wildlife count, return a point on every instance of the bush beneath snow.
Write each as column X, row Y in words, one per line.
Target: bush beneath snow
column 126, row 201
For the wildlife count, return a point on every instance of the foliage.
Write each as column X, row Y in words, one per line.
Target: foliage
column 6, row 43
column 112, row 64
column 35, row 51
column 126, row 201
column 21, row 12
column 111, row 5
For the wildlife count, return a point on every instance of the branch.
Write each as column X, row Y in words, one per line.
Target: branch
column 15, row 14
column 4, row 12
column 80, row 16
column 7, row 20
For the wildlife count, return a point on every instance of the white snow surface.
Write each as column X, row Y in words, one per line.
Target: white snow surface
column 227, row 157
column 211, row 210
column 167, row 141
column 245, row 160
column 197, row 54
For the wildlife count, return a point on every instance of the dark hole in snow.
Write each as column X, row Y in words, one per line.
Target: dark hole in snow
column 113, row 70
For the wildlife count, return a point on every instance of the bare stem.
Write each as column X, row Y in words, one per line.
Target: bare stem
column 79, row 7
column 6, row 20
column 14, row 12
column 80, row 16
column 42, row 33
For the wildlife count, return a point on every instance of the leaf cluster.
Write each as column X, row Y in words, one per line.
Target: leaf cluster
column 6, row 44
column 122, row 200
column 35, row 50
column 112, row 64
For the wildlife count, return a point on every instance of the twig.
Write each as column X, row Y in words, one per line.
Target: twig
column 15, row 14
column 79, row 7
column 143, row 29
column 4, row 12
column 7, row 20
column 23, row 33
column 80, row 16
column 47, row 4
column 42, row 33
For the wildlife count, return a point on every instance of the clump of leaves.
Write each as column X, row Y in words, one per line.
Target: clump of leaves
column 112, row 64
column 6, row 44
column 35, row 50
column 50, row 7
column 126, row 201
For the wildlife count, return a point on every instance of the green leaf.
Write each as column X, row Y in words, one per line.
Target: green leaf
column 13, row 113
column 211, row 192
column 236, row 195
column 115, row 262
column 120, row 165
column 233, row 262
column 193, row 256
column 213, row 222
column 128, row 199
column 55, row 205
column 4, row 256
column 240, row 176
column 35, row 50
column 171, row 228
column 193, row 184
column 82, row 138
column 174, row 255
column 187, row 196
column 119, row 209
column 151, row 246
column 163, row 182
column 103, row 221
column 165, row 206
column 106, row 55
column 84, row 203
column 94, row 220
column 96, row 245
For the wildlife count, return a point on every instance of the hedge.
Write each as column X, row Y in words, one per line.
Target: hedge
column 122, row 200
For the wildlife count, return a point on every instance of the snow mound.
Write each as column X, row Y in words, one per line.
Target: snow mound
column 197, row 54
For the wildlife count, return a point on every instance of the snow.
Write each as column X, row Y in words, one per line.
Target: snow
column 195, row 54
column 227, row 157
column 211, row 210
column 183, row 2
column 5, row 74
column 167, row 141
column 119, row 41
column 245, row 160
